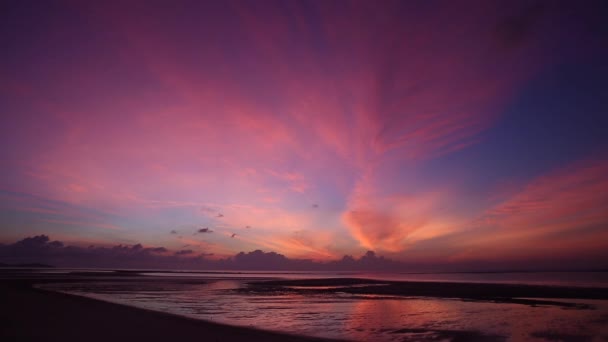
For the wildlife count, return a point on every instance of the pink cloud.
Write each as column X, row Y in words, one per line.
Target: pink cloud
column 387, row 222
column 365, row 89
column 556, row 215
column 570, row 198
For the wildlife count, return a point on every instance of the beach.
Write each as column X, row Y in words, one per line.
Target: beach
column 119, row 305
column 29, row 314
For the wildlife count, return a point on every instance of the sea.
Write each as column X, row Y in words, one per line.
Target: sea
column 222, row 297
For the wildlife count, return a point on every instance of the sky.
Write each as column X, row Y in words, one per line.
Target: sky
column 432, row 133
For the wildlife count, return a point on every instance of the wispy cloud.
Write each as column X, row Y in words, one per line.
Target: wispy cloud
column 560, row 214
column 278, row 110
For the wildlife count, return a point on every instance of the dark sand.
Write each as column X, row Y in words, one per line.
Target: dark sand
column 28, row 314
column 498, row 293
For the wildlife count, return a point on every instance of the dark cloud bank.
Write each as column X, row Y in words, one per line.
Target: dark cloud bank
column 41, row 249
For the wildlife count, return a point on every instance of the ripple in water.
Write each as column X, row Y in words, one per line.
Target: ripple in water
column 355, row 317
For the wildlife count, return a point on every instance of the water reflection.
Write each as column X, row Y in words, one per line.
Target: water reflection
column 353, row 317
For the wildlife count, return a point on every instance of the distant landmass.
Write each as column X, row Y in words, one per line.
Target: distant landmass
column 30, row 265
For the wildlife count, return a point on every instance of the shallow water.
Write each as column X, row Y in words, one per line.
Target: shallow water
column 580, row 279
column 352, row 317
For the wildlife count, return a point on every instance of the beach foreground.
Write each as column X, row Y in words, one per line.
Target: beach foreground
column 103, row 305
column 28, row 314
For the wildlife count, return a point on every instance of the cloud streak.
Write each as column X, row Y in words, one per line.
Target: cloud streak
column 557, row 216
column 248, row 115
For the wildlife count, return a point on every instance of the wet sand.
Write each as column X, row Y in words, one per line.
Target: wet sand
column 28, row 314
column 498, row 293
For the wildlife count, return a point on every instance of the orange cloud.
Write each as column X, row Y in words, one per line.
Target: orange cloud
column 390, row 223
column 562, row 213
column 273, row 102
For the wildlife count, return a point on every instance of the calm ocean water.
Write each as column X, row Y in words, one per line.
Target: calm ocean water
column 213, row 296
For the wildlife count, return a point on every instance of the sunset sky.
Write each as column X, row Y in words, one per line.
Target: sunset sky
column 432, row 132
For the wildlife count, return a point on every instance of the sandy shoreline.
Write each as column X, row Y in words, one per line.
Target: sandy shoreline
column 31, row 314
column 28, row 314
